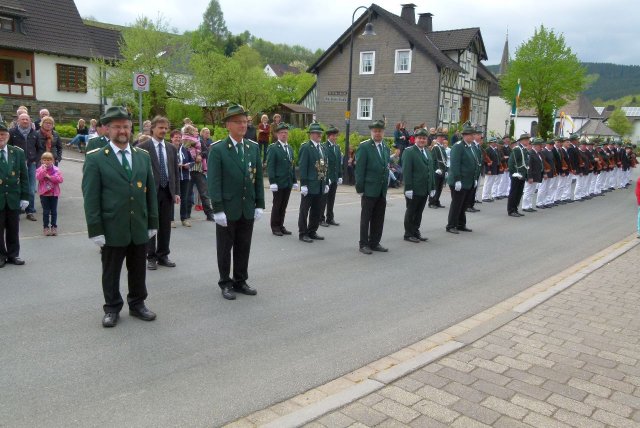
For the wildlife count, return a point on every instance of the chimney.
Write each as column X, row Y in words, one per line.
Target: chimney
column 425, row 22
column 409, row 13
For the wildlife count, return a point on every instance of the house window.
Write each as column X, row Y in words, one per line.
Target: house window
column 365, row 108
column 7, row 24
column 72, row 78
column 367, row 62
column 446, row 111
column 403, row 61
column 455, row 112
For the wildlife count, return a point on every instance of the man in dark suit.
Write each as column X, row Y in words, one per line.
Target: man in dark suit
column 185, row 160
column 334, row 173
column 478, row 153
column 545, row 190
column 121, row 209
column 463, row 170
column 312, row 163
column 535, row 175
column 164, row 162
column 372, row 181
column 417, row 165
column 282, row 178
column 235, row 187
column 14, row 195
column 518, row 170
column 439, row 154
column 491, row 163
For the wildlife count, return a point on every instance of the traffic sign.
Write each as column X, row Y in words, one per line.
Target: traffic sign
column 140, row 82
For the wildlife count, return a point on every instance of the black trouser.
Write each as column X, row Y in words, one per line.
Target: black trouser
column 310, row 207
column 515, row 195
column 234, row 239
column 158, row 246
column 200, row 181
column 279, row 209
column 9, row 231
column 474, row 191
column 460, row 201
column 184, row 199
column 413, row 215
column 112, row 258
column 328, row 201
column 435, row 200
column 372, row 220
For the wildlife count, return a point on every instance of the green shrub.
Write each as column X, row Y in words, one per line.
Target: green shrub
column 66, row 131
column 177, row 111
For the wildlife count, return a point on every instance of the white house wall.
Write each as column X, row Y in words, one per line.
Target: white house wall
column 46, row 80
column 499, row 111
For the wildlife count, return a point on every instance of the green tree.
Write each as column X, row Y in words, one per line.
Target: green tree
column 213, row 21
column 618, row 122
column 550, row 75
column 289, row 88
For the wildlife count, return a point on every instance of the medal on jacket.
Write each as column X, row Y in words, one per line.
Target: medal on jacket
column 139, row 184
column 0, row 181
column 251, row 171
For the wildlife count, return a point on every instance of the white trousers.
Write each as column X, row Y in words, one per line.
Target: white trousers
column 553, row 190
column 528, row 195
column 505, row 184
column 580, row 192
column 565, row 194
column 487, row 188
column 543, row 192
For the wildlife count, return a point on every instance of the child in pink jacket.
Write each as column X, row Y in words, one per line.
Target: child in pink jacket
column 49, row 178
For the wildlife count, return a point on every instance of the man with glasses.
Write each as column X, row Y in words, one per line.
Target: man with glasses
column 121, row 209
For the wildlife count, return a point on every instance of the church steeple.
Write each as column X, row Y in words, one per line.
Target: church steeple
column 504, row 62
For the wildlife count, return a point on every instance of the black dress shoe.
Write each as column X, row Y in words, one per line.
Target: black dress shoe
column 379, row 248
column 366, row 250
column 152, row 264
column 487, row 200
column 285, row 231
column 15, row 261
column 515, row 214
column 333, row 223
column 277, row 232
column 472, row 210
column 529, row 210
column 412, row 239
column 464, row 229
column 244, row 288
column 305, row 238
column 422, row 238
column 324, row 224
column 433, row 206
column 142, row 313
column 228, row 293
column 454, row 230
column 166, row 262
column 316, row 236
column 477, row 201
column 110, row 319
column 3, row 261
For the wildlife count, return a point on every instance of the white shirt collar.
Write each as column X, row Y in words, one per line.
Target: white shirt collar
column 235, row 143
column 116, row 149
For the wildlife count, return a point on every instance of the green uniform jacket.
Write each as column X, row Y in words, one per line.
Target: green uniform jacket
column 96, row 143
column 235, row 186
column 440, row 156
column 308, row 160
column 372, row 172
column 519, row 161
column 479, row 156
column 335, row 161
column 122, row 210
column 14, row 183
column 280, row 166
column 463, row 165
column 418, row 170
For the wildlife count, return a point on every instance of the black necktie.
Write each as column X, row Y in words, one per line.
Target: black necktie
column 164, row 179
column 125, row 165
column 4, row 166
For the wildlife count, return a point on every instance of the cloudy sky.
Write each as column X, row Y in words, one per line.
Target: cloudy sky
column 596, row 31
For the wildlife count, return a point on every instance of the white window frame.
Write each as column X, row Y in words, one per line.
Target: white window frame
column 446, row 111
column 397, row 62
column 360, row 105
column 373, row 62
column 455, row 111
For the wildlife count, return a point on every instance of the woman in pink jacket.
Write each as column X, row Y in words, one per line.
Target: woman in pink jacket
column 49, row 178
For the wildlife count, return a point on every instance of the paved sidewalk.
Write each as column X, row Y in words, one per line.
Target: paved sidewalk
column 564, row 353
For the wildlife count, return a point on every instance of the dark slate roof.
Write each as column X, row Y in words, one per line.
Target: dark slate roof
column 486, row 74
column 297, row 108
column 106, row 41
column 281, row 69
column 12, row 8
column 458, row 40
column 597, row 128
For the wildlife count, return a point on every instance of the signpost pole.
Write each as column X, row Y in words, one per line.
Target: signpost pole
column 140, row 110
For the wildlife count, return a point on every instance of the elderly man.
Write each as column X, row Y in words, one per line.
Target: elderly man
column 24, row 135
column 462, row 180
column 314, row 182
column 43, row 113
column 419, row 184
column 282, row 178
column 372, row 180
column 235, row 187
column 121, row 209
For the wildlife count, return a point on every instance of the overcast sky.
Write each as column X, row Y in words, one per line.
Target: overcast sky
column 596, row 31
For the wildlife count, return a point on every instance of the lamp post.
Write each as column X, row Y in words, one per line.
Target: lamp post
column 368, row 31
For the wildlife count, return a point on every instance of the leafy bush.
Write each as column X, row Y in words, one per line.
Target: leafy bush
column 66, row 131
column 177, row 111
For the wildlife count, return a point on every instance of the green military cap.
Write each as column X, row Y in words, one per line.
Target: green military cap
column 421, row 133
column 468, row 129
column 3, row 127
column 591, row 142
column 332, row 130
column 315, row 127
column 537, row 141
column 377, row 124
column 282, row 126
column 574, row 136
column 501, row 142
column 441, row 134
column 524, row 136
column 549, row 141
column 492, row 140
column 234, row 110
column 113, row 113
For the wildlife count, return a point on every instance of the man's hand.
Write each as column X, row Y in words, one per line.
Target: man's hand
column 220, row 218
column 99, row 240
column 517, row 175
column 475, row 183
column 409, row 194
column 295, row 186
column 439, row 171
column 257, row 214
column 152, row 233
column 24, row 204
column 177, row 199
column 304, row 190
column 339, row 180
column 432, row 193
column 458, row 186
column 273, row 187
column 326, row 189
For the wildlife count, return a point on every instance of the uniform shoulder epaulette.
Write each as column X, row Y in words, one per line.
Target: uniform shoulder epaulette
column 94, row 150
column 216, row 142
column 141, row 149
column 12, row 147
column 250, row 140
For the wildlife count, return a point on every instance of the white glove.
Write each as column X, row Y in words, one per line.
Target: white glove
column 517, row 175
column 295, row 186
column 326, row 189
column 152, row 233
column 458, row 186
column 273, row 187
column 258, row 214
column 304, row 190
column 409, row 194
column 475, row 183
column 24, row 204
column 99, row 240
column 439, row 171
column 339, row 180
column 220, row 218
column 329, row 182
column 432, row 193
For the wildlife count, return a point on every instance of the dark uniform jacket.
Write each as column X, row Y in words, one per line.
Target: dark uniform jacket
column 493, row 156
column 173, row 174
column 418, row 170
column 464, row 165
column 280, row 165
column 535, row 166
column 14, row 182
column 332, row 152
column 440, row 156
column 519, row 161
column 96, row 143
column 310, row 160
column 372, row 170
column 547, row 155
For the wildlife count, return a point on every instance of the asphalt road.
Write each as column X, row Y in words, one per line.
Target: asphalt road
column 322, row 309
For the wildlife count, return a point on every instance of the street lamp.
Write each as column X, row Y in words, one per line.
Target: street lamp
column 368, row 31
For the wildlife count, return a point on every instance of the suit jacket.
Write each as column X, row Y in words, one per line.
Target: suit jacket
column 574, row 158
column 548, row 156
column 477, row 150
column 187, row 159
column 29, row 145
column 334, row 156
column 14, row 183
column 235, row 184
column 280, row 165
column 122, row 210
column 440, row 157
column 519, row 161
column 372, row 171
column 56, row 145
column 535, row 166
column 418, row 171
column 492, row 154
column 464, row 165
column 173, row 174
column 96, row 143
column 308, row 157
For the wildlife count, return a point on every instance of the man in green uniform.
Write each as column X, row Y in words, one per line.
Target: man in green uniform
column 282, row 178
column 372, row 180
column 14, row 196
column 439, row 154
column 121, row 210
column 463, row 170
column 312, row 163
column 235, row 187
column 419, row 183
column 101, row 140
column 334, row 158
column 519, row 171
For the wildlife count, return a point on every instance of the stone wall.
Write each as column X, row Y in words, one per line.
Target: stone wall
column 61, row 112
